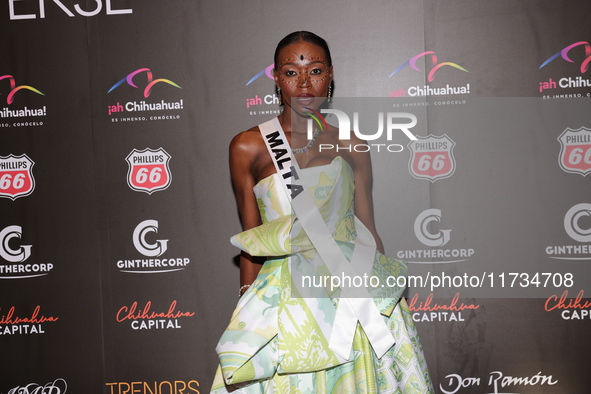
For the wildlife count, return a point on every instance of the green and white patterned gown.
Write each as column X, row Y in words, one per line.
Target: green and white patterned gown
column 277, row 342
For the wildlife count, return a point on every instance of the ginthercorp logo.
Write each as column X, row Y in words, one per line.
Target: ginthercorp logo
column 16, row 255
column 148, row 109
column 16, row 14
column 13, row 255
column 575, row 151
column 432, row 157
column 428, row 232
column 146, row 243
column 572, row 226
column 58, row 386
column 16, row 176
column 422, row 91
column 422, row 228
column 256, row 101
column 7, row 113
column 139, row 239
column 569, row 82
column 148, row 170
column 577, row 224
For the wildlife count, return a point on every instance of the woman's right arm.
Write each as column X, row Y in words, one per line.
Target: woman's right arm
column 244, row 149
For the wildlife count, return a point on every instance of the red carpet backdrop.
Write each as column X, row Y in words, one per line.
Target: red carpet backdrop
column 116, row 207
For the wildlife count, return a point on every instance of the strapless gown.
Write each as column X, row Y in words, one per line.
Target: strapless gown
column 276, row 342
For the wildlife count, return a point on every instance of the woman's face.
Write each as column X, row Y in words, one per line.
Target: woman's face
column 302, row 72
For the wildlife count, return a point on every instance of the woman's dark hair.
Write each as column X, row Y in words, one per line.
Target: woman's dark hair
column 306, row 36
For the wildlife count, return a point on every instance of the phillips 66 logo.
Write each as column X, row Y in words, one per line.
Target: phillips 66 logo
column 16, row 178
column 148, row 170
column 432, row 157
column 575, row 151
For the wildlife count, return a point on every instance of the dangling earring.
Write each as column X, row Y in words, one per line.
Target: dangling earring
column 278, row 90
column 329, row 92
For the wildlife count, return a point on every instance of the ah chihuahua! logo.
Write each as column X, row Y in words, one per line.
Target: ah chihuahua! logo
column 268, row 71
column 426, row 90
column 14, row 88
column 412, row 62
column 269, row 99
column 565, row 56
column 24, row 112
column 150, row 78
column 569, row 82
column 144, row 106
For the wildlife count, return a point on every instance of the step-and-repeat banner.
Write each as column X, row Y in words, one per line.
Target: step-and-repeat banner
column 116, row 207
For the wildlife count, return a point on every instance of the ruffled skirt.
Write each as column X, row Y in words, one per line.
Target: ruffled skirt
column 273, row 345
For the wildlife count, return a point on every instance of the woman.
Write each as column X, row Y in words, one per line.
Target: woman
column 280, row 339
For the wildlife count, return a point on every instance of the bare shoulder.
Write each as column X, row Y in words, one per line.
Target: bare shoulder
column 353, row 150
column 248, row 152
column 247, row 141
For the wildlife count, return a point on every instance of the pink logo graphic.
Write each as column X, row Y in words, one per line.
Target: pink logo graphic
column 151, row 81
column 16, row 177
column 148, row 170
column 412, row 62
column 14, row 88
column 268, row 71
column 432, row 157
column 564, row 54
column 575, row 151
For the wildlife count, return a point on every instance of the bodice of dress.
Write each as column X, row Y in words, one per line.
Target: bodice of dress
column 332, row 188
column 274, row 203
column 281, row 234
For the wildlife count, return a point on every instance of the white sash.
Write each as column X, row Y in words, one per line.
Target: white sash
column 350, row 310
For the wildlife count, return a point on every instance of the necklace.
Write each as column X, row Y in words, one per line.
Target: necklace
column 309, row 144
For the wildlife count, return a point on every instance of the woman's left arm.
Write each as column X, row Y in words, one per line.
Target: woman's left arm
column 363, row 194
